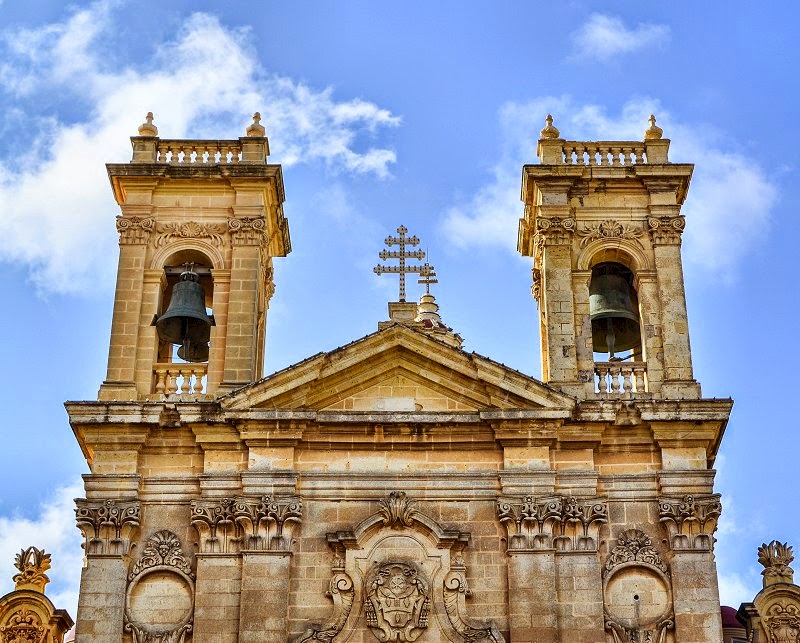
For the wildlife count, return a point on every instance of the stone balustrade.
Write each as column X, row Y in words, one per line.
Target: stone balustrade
column 603, row 153
column 198, row 152
column 619, row 378
column 179, row 379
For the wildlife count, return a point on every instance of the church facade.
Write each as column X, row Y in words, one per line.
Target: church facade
column 399, row 488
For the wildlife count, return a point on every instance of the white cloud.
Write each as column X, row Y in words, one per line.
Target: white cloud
column 53, row 529
column 727, row 212
column 604, row 37
column 56, row 210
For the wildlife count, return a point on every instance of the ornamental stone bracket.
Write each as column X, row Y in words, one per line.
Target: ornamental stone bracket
column 563, row 523
column 108, row 526
column 637, row 592
column 406, row 574
column 690, row 521
column 231, row 525
column 159, row 602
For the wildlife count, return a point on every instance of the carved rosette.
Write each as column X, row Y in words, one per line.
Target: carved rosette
column 24, row 626
column 666, row 230
column 690, row 521
column 609, row 229
column 175, row 231
column 397, row 602
column 564, row 523
column 455, row 592
column 32, row 564
column 776, row 558
column 252, row 524
column 554, row 231
column 108, row 526
column 135, row 230
column 247, row 231
column 162, row 570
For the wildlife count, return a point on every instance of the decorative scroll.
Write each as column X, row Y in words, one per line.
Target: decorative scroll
column 564, row 523
column 169, row 232
column 609, row 229
column 107, row 525
column 397, row 602
column 32, row 564
column 254, row 524
column 342, row 592
column 455, row 592
column 135, row 230
column 776, row 558
column 666, row 230
column 24, row 626
column 247, row 231
column 691, row 521
column 397, row 510
column 634, row 545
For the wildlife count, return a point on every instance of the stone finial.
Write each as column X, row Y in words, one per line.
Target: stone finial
column 256, row 128
column 32, row 564
column 147, row 128
column 549, row 130
column 776, row 558
column 653, row 132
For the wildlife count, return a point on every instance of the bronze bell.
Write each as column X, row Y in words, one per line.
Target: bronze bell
column 186, row 322
column 613, row 309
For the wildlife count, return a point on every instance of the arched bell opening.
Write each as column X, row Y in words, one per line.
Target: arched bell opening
column 614, row 313
column 184, row 319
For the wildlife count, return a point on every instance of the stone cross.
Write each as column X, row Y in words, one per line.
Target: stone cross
column 403, row 269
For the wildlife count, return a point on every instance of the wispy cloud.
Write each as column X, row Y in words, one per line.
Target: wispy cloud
column 51, row 528
column 729, row 205
column 57, row 212
column 604, row 37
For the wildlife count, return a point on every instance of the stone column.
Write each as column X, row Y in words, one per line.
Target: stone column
column 691, row 522
column 108, row 527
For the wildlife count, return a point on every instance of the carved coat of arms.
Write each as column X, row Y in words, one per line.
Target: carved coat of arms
column 397, row 602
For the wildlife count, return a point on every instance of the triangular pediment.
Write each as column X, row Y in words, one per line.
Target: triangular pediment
column 398, row 369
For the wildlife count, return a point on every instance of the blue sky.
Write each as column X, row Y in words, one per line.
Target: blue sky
column 421, row 114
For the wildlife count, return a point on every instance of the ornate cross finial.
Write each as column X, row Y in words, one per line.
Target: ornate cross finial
column 427, row 276
column 403, row 269
column 147, row 128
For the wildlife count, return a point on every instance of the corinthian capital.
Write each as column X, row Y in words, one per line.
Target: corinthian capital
column 108, row 526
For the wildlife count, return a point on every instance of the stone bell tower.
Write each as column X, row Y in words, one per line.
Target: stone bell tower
column 209, row 210
column 603, row 224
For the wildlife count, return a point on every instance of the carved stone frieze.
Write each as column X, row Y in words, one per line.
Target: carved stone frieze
column 555, row 231
column 563, row 523
column 776, row 558
column 666, row 230
column 32, row 564
column 690, row 521
column 173, row 231
column 24, row 626
column 609, row 229
column 108, row 526
column 397, row 601
column 253, row 524
column 247, row 231
column 135, row 230
column 455, row 592
column 633, row 545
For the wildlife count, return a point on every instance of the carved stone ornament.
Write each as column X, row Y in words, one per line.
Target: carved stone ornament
column 609, row 229
column 342, row 592
column 782, row 623
column 159, row 602
column 169, row 232
column 776, row 558
column 397, row 509
column 243, row 523
column 24, row 626
column 564, row 523
column 247, row 231
column 397, row 602
column 555, row 231
column 107, row 525
column 666, row 230
column 135, row 230
column 657, row 634
column 32, row 564
column 455, row 591
column 691, row 521
column 633, row 545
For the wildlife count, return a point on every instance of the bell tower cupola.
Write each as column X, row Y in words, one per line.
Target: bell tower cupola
column 603, row 225
column 200, row 222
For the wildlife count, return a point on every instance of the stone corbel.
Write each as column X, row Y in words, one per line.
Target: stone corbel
column 455, row 592
column 108, row 526
column 690, row 521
